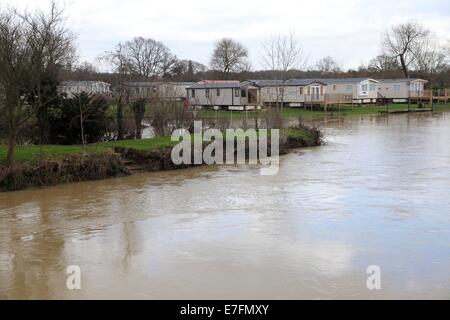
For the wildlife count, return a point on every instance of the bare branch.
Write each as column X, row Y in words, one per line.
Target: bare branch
column 403, row 41
column 229, row 56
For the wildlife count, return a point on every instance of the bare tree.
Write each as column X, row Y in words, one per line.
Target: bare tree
column 148, row 58
column 86, row 68
column 280, row 55
column 119, row 62
column 327, row 65
column 403, row 42
column 138, row 59
column 383, row 63
column 447, row 51
column 186, row 70
column 229, row 56
column 31, row 45
column 430, row 58
column 52, row 47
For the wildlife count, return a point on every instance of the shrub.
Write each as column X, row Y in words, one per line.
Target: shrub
column 81, row 119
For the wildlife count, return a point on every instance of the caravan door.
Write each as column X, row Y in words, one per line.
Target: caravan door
column 315, row 93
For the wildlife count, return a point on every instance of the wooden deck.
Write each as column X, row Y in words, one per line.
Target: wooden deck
column 328, row 99
column 432, row 96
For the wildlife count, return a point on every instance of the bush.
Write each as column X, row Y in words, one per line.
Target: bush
column 84, row 112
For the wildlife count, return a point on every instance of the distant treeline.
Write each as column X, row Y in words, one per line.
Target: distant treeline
column 436, row 80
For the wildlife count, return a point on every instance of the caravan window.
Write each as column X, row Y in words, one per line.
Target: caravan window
column 218, row 92
column 193, row 93
column 243, row 93
column 301, row 90
column 372, row 87
column 364, row 87
column 207, row 93
column 236, row 92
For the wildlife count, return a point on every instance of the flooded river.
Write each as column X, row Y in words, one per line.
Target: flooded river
column 377, row 194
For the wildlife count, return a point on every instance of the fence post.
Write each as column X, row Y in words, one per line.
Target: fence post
column 432, row 99
column 339, row 102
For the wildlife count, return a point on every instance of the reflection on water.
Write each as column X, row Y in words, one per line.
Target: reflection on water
column 377, row 194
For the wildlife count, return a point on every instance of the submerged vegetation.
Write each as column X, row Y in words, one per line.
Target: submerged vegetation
column 294, row 113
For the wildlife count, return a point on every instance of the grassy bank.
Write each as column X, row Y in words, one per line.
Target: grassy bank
column 34, row 153
column 53, row 164
column 300, row 112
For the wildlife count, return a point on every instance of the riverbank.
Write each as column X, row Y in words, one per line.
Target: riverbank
column 38, row 166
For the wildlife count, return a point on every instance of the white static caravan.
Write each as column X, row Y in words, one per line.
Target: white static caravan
column 293, row 93
column 231, row 95
column 70, row 88
column 359, row 90
column 400, row 90
column 174, row 91
column 170, row 91
column 141, row 89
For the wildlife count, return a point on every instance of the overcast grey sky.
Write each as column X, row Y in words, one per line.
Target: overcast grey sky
column 347, row 30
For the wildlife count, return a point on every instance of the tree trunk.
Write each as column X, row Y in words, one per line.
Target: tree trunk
column 120, row 120
column 83, row 141
column 139, row 112
column 138, row 130
column 138, row 118
column 11, row 149
column 404, row 67
column 81, row 124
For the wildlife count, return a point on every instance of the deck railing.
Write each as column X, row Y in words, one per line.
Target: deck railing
column 439, row 95
column 338, row 98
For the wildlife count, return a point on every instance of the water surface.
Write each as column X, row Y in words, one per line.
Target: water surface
column 377, row 194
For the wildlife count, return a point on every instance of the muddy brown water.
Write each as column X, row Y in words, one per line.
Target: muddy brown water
column 377, row 194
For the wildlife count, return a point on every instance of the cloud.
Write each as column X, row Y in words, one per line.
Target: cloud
column 349, row 31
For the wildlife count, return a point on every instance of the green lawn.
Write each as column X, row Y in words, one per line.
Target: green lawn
column 33, row 153
column 300, row 112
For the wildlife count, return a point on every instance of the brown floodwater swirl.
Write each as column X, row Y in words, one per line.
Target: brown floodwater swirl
column 378, row 193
